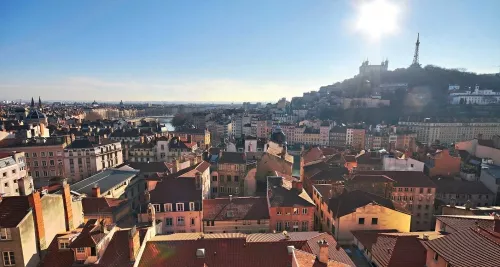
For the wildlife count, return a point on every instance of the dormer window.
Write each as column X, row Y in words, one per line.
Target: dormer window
column 168, row 207
column 157, row 207
column 179, row 207
column 191, row 206
column 63, row 244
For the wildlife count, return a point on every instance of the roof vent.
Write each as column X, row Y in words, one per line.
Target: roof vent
column 200, row 253
column 290, row 249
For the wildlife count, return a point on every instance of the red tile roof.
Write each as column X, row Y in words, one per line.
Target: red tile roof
column 90, row 235
column 348, row 202
column 234, row 250
column 399, row 250
column 368, row 237
column 117, row 254
column 94, row 205
column 242, row 208
column 13, row 210
column 372, row 178
column 56, row 257
column 470, row 247
column 305, row 259
column 405, row 179
column 312, row 154
column 460, row 223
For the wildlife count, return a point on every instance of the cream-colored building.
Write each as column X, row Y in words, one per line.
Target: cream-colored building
column 13, row 175
column 356, row 210
column 429, row 131
column 84, row 158
column 236, row 215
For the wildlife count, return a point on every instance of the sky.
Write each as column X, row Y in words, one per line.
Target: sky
column 238, row 50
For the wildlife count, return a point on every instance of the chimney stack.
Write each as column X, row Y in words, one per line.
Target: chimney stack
column 497, row 223
column 189, row 138
column 297, row 185
column 133, row 243
column 67, row 202
column 230, row 198
column 36, row 206
column 323, row 251
column 96, row 190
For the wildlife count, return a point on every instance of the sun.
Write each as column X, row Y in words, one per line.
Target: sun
column 377, row 18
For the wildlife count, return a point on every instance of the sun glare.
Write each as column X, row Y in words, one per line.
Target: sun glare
column 377, row 18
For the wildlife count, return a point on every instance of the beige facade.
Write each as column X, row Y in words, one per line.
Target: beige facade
column 83, row 162
column 420, row 202
column 450, row 132
column 12, row 170
column 177, row 221
column 239, row 226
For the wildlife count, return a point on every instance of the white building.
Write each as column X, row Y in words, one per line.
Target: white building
column 12, row 174
column 391, row 163
column 84, row 158
column 480, row 97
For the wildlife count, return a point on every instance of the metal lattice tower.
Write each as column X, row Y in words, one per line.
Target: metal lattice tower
column 415, row 56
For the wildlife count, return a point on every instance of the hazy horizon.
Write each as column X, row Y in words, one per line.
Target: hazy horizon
column 220, row 51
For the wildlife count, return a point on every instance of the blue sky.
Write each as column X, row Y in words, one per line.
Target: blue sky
column 257, row 50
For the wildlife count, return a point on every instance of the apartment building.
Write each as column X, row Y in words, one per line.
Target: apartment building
column 460, row 192
column 355, row 138
column 44, row 156
column 448, row 132
column 84, row 158
column 290, row 207
column 230, row 174
column 442, row 162
column 415, row 192
column 14, row 180
column 338, row 136
column 200, row 136
column 339, row 214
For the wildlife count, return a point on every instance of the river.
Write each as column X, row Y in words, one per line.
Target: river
column 168, row 123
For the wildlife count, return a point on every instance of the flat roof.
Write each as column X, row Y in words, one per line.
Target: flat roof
column 106, row 180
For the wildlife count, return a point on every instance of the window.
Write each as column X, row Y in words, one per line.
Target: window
column 192, row 221
column 236, row 178
column 157, row 207
column 221, row 178
column 305, row 226
column 52, row 162
column 287, row 226
column 8, row 258
column 35, row 163
column 304, row 210
column 169, row 221
column 421, row 190
column 64, row 245
column 229, row 178
column 51, row 154
column 361, row 221
column 374, row 221
column 214, row 178
column 45, row 173
column 295, row 211
column 14, row 171
column 426, row 207
column 80, row 250
column 400, row 189
column 179, row 207
column 436, row 256
column 180, row 221
column 406, row 189
column 43, row 154
column 296, row 226
column 429, row 190
column 37, row 174
column 34, row 154
column 168, row 207
column 221, row 189
column 419, row 206
column 278, row 226
column 5, row 234
column 191, row 206
column 278, row 212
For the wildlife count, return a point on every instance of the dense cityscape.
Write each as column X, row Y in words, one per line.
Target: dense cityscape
column 393, row 167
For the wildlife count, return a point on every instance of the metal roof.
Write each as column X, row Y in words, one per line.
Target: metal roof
column 106, row 180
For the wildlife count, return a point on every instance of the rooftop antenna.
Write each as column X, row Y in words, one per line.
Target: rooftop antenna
column 416, row 56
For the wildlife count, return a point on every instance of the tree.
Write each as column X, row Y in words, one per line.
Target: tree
column 179, row 120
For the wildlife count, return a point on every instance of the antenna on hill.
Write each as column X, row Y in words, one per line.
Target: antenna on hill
column 416, row 54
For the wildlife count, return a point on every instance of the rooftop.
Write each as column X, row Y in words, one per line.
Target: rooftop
column 236, row 249
column 232, row 158
column 405, row 179
column 451, row 186
column 240, row 208
column 460, row 223
column 282, row 194
column 348, row 202
column 399, row 250
column 13, row 210
column 106, row 180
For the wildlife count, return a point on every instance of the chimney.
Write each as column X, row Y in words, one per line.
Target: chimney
column 36, row 206
column 497, row 224
column 323, row 251
column 142, row 139
column 230, row 198
column 297, row 185
column 96, row 190
column 133, row 243
column 189, row 138
column 67, row 202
